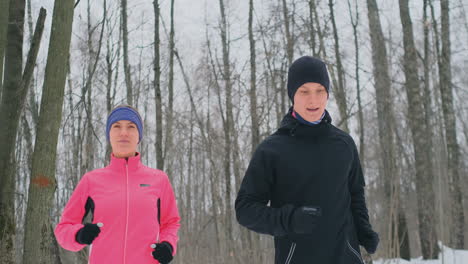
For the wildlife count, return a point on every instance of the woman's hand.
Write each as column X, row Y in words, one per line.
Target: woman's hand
column 88, row 233
column 162, row 252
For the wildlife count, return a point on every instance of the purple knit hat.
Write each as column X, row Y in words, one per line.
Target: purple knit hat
column 124, row 113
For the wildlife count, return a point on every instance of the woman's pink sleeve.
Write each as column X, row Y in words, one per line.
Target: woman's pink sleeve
column 170, row 219
column 72, row 217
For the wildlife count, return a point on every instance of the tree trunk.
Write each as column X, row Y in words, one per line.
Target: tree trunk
column 11, row 107
column 127, row 70
column 312, row 41
column 170, row 109
column 37, row 245
column 228, row 122
column 428, row 108
column 253, row 84
column 453, row 149
column 427, row 64
column 322, row 52
column 157, row 90
column 110, row 93
column 386, row 120
column 288, row 33
column 340, row 87
column 403, row 236
column 252, row 240
column 424, row 177
column 4, row 11
column 355, row 23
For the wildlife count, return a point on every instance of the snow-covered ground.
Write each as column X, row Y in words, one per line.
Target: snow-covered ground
column 447, row 256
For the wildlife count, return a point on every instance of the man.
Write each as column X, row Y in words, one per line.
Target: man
column 309, row 171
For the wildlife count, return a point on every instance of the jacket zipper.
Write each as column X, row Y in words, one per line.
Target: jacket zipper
column 354, row 252
column 291, row 253
column 126, row 221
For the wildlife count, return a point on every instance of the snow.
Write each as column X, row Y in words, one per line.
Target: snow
column 447, row 256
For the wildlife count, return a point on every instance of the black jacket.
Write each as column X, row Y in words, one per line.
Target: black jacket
column 314, row 166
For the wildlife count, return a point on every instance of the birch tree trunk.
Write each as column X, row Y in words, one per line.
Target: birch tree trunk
column 424, row 177
column 453, row 149
column 38, row 247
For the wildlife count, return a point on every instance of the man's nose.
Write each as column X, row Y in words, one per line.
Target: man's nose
column 312, row 97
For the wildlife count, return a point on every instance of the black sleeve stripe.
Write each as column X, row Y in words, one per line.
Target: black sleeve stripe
column 89, row 207
column 159, row 211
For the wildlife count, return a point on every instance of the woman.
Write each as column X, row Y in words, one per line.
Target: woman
column 134, row 212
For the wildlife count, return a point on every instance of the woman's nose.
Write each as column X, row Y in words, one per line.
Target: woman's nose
column 123, row 131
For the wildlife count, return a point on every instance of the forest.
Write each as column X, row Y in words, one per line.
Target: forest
column 209, row 80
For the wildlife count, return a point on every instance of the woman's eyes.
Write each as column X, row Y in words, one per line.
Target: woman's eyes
column 119, row 126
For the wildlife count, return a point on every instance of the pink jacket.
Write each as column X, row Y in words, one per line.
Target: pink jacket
column 126, row 197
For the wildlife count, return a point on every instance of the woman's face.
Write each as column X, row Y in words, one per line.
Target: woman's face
column 124, row 138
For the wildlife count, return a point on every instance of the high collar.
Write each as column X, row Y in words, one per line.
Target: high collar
column 290, row 125
column 133, row 163
column 305, row 122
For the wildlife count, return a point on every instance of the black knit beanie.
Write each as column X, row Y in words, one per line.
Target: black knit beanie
column 307, row 69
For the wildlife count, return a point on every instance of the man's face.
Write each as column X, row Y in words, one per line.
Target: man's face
column 310, row 101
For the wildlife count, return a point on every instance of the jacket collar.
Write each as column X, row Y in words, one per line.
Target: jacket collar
column 292, row 126
column 133, row 163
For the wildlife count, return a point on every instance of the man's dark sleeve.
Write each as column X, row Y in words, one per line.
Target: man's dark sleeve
column 255, row 193
column 358, row 201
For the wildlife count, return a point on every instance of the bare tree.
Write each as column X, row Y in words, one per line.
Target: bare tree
column 228, row 119
column 253, row 83
column 11, row 105
column 93, row 59
column 424, row 177
column 427, row 64
column 340, row 85
column 157, row 89
column 398, row 246
column 126, row 62
column 37, row 246
column 288, row 33
column 170, row 103
column 4, row 8
column 385, row 119
column 313, row 40
column 354, row 24
column 112, row 70
column 453, row 149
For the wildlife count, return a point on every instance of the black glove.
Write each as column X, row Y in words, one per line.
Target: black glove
column 87, row 234
column 369, row 240
column 304, row 219
column 163, row 252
